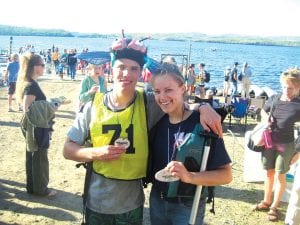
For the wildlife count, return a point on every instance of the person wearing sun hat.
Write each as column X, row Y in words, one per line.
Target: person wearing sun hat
column 116, row 125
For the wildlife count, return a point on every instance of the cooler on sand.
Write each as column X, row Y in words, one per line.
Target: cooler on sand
column 287, row 193
column 293, row 210
column 289, row 184
column 253, row 170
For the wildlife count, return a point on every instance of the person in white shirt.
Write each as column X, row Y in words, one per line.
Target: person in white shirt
column 226, row 86
column 246, row 74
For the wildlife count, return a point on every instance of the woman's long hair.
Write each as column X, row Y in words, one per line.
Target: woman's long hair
column 27, row 63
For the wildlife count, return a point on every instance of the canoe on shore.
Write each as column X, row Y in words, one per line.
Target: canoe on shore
column 255, row 90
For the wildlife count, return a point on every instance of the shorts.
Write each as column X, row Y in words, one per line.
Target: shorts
column 280, row 161
column 11, row 88
column 133, row 217
column 190, row 82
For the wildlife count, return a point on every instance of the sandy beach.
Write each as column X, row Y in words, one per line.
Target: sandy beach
column 233, row 202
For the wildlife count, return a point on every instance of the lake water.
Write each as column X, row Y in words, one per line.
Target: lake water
column 267, row 62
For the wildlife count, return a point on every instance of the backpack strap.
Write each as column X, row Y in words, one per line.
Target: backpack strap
column 88, row 174
column 211, row 137
column 148, row 179
column 88, row 166
column 208, row 137
column 211, row 198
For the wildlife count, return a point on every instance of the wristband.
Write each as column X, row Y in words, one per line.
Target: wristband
column 200, row 104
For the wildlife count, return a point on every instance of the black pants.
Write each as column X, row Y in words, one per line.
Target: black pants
column 37, row 172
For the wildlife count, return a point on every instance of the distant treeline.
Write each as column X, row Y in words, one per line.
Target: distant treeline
column 26, row 31
column 197, row 37
column 233, row 39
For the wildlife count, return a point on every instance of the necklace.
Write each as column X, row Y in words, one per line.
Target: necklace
column 177, row 140
column 164, row 175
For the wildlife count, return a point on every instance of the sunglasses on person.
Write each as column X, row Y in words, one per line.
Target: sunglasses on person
column 293, row 73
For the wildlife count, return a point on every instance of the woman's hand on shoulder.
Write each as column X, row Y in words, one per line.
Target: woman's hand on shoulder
column 210, row 119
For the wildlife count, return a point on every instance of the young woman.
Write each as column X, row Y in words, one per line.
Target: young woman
column 33, row 98
column 285, row 113
column 177, row 127
column 200, row 81
column 191, row 79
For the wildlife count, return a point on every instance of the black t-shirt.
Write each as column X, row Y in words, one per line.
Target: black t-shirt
column 234, row 75
column 34, row 89
column 165, row 132
column 72, row 59
column 285, row 115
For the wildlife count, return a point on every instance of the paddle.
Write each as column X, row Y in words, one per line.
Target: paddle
column 208, row 137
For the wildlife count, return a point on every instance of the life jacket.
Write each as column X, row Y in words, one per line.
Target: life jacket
column 107, row 126
column 190, row 152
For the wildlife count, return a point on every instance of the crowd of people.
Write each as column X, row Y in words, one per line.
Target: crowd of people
column 232, row 77
column 66, row 63
column 63, row 63
column 128, row 136
column 59, row 62
column 195, row 83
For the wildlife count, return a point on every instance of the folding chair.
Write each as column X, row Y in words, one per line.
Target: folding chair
column 255, row 106
column 239, row 110
column 222, row 111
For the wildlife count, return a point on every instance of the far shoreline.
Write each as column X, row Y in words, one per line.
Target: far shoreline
column 281, row 41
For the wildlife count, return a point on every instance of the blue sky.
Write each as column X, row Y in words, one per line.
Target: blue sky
column 244, row 17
